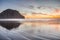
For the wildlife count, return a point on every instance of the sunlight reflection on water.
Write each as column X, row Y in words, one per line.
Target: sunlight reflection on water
column 40, row 26
column 48, row 30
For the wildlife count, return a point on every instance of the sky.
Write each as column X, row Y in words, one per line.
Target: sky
column 28, row 6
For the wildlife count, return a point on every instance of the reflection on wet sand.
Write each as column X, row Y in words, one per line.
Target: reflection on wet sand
column 45, row 29
column 33, row 31
column 41, row 25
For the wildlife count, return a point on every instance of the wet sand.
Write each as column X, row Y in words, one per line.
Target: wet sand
column 33, row 31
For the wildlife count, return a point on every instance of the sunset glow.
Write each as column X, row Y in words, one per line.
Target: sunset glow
column 47, row 12
column 38, row 16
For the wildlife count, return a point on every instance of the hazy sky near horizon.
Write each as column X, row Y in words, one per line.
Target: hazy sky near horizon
column 28, row 5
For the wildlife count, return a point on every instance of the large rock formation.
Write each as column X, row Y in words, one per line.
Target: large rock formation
column 9, row 13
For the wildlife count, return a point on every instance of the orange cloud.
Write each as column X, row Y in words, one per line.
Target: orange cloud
column 57, row 11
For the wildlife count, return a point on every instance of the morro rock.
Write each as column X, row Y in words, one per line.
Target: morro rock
column 9, row 13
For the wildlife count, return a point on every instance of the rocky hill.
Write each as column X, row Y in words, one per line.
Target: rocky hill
column 9, row 13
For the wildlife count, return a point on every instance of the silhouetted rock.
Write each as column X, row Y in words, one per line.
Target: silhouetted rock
column 9, row 13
